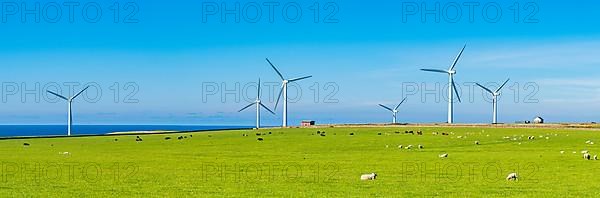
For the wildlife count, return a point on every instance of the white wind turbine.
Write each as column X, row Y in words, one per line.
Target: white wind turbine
column 495, row 95
column 69, row 101
column 258, row 104
column 283, row 92
column 394, row 111
column 451, row 86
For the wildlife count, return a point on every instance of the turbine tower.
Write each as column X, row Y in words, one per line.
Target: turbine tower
column 495, row 95
column 451, row 85
column 394, row 111
column 69, row 101
column 283, row 92
column 258, row 104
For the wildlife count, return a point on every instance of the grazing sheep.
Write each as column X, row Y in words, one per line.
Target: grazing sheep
column 400, row 146
column 409, row 147
column 318, row 132
column 270, row 133
column 476, row 142
column 435, row 133
column 419, row 132
column 444, row 134
column 584, row 152
column 397, row 132
column 351, row 133
column 260, row 139
column 64, row 153
column 180, row 138
column 378, row 133
column 587, row 156
column 367, row 177
column 116, row 140
column 167, row 138
column 562, row 152
column 445, row 155
column 421, row 146
column 512, row 177
column 322, row 134
column 257, row 134
column 190, row 135
column 595, row 157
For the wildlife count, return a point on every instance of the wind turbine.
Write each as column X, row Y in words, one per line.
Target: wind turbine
column 495, row 95
column 394, row 111
column 451, row 86
column 283, row 91
column 69, row 101
column 258, row 104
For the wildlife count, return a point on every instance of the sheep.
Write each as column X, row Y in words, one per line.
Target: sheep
column 367, row 177
column 26, row 144
column 269, row 133
column 351, row 133
column 476, row 142
column 116, row 140
column 586, row 156
column 562, row 152
column 64, row 153
column 378, row 133
column 180, row 138
column 318, row 132
column 445, row 155
column 421, row 146
column 595, row 157
column 400, row 146
column 584, row 152
column 409, row 147
column 260, row 139
column 512, row 177
column 167, row 138
column 419, row 132
column 322, row 134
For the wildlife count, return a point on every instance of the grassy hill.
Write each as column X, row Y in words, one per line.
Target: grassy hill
column 301, row 163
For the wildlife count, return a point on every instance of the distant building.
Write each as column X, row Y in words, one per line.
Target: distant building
column 306, row 123
column 538, row 120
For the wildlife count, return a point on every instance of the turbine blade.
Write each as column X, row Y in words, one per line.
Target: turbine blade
column 435, row 70
column 456, row 90
column 400, row 104
column 386, row 107
column 276, row 70
column 79, row 93
column 258, row 87
column 279, row 97
column 457, row 58
column 297, row 79
column 246, row 107
column 499, row 88
column 58, row 95
column 267, row 108
column 485, row 88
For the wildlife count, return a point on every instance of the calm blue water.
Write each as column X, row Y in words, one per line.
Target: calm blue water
column 54, row 130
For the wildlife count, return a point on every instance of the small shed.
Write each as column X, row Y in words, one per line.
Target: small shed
column 306, row 123
column 538, row 120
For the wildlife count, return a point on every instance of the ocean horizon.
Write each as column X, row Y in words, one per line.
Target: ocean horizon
column 58, row 130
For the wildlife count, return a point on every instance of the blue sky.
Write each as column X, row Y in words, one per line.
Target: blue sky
column 369, row 56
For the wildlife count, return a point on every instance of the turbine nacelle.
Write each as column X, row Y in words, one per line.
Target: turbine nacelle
column 452, row 72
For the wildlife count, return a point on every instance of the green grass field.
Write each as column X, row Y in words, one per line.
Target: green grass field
column 301, row 163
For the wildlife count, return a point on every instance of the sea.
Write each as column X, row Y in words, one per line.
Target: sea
column 7, row 131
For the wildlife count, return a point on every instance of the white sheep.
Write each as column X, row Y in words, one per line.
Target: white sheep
column 587, row 156
column 400, row 146
column 562, row 152
column 512, row 177
column 595, row 157
column 584, row 152
column 421, row 146
column 476, row 142
column 409, row 146
column 366, row 177
column 445, row 155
